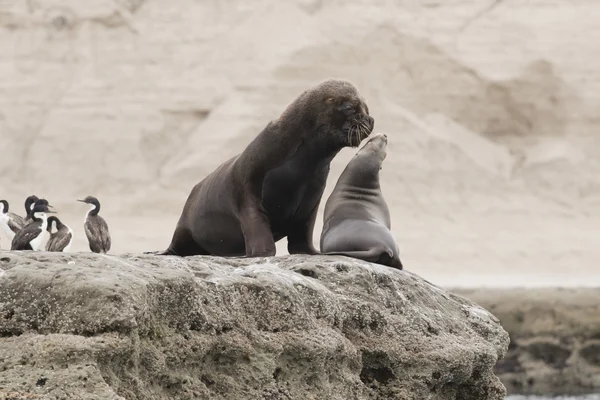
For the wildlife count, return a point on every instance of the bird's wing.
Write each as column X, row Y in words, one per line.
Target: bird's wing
column 24, row 236
column 16, row 222
column 49, row 243
column 91, row 234
column 104, row 234
column 62, row 241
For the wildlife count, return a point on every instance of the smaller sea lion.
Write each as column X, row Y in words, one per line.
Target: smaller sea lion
column 356, row 221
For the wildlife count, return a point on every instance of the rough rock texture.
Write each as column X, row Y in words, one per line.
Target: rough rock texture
column 294, row 327
column 491, row 108
column 555, row 338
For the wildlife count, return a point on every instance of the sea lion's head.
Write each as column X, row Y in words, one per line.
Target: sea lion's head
column 363, row 169
column 340, row 111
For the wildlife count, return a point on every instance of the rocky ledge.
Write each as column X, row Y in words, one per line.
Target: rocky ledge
column 555, row 338
column 88, row 326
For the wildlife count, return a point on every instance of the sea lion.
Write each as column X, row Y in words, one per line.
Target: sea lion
column 273, row 188
column 356, row 220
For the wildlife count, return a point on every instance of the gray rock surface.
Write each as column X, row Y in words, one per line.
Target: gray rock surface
column 87, row 326
column 555, row 338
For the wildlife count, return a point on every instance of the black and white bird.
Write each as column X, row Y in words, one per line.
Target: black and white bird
column 29, row 203
column 31, row 236
column 95, row 227
column 11, row 222
column 62, row 238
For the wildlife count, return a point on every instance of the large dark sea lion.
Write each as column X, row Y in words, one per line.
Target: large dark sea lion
column 273, row 188
column 356, row 221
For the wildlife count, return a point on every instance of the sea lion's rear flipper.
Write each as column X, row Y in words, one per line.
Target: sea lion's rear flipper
column 167, row 252
column 387, row 258
column 182, row 245
column 396, row 263
column 372, row 255
column 377, row 255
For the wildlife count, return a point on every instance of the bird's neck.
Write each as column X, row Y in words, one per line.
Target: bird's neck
column 94, row 209
column 39, row 217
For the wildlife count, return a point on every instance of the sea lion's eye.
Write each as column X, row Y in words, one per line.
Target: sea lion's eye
column 349, row 107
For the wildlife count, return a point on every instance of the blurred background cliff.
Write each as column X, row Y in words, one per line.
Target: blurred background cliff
column 491, row 107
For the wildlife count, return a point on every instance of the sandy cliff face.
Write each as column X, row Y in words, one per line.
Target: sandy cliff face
column 491, row 109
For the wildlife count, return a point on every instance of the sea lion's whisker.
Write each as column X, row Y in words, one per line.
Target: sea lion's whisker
column 367, row 130
column 360, row 134
column 364, row 125
column 350, row 135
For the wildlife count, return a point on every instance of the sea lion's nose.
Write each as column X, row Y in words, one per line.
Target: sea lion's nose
column 381, row 136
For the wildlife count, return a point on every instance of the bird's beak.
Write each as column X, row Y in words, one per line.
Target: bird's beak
column 83, row 201
column 50, row 212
